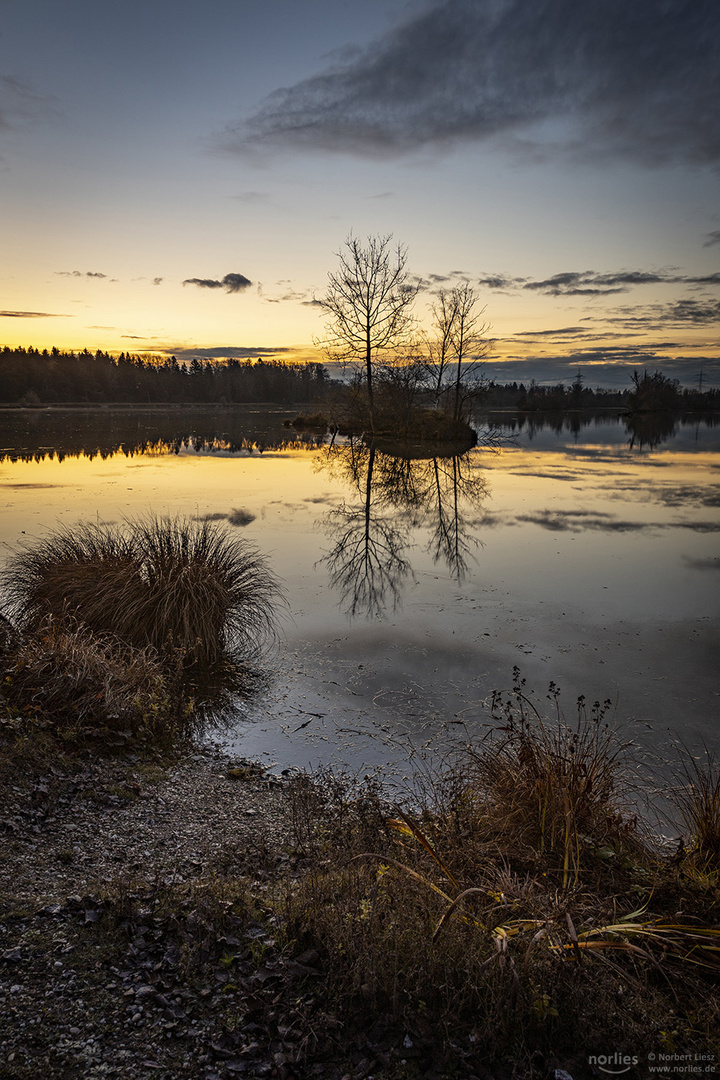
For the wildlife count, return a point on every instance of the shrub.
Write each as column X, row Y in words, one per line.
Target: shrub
column 178, row 585
column 316, row 421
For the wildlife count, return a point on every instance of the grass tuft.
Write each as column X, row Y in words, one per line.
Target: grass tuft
column 143, row 629
column 167, row 584
column 549, row 786
column 698, row 799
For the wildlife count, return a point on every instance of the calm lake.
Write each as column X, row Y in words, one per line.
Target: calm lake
column 580, row 551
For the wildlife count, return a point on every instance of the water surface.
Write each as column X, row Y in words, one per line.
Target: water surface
column 581, row 550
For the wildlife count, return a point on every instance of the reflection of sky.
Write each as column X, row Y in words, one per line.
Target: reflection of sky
column 606, row 533
column 557, row 583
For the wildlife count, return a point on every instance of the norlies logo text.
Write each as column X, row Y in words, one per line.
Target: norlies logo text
column 614, row 1064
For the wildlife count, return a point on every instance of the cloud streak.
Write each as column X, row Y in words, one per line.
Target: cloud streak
column 32, row 315
column 83, row 274
column 638, row 81
column 683, row 313
column 228, row 352
column 590, row 283
column 231, row 283
column 20, row 104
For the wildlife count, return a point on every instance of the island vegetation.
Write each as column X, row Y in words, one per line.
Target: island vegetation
column 402, row 387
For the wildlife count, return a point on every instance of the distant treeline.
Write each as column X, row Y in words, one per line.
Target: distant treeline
column 647, row 392
column 33, row 377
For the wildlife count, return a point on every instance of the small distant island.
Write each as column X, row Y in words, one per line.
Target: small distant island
column 398, row 384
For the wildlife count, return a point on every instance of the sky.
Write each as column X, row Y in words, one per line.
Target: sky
column 178, row 178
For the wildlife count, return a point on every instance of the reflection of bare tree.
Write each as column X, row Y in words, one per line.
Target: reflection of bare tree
column 454, row 488
column 367, row 562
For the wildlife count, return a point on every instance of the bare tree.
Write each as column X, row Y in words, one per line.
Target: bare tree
column 368, row 303
column 440, row 348
column 460, row 341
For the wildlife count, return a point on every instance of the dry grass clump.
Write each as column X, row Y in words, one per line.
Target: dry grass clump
column 143, row 628
column 557, row 791
column 169, row 585
column 65, row 679
column 697, row 798
column 519, row 914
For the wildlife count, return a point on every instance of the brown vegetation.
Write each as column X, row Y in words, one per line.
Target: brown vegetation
column 164, row 584
column 139, row 629
column 518, row 913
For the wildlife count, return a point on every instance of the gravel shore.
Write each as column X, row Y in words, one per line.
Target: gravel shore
column 126, row 945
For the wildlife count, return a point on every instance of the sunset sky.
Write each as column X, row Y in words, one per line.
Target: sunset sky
column 176, row 177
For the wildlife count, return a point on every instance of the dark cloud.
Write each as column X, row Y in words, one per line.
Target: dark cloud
column 702, row 564
column 561, row 332
column 81, row 274
column 694, row 311
column 573, row 284
column 228, row 352
column 290, row 295
column 712, row 238
column 499, row 281
column 32, row 315
column 637, row 80
column 594, row 283
column 231, row 283
column 590, row 283
column 661, row 316
column 19, row 104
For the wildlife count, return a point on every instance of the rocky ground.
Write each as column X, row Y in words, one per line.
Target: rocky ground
column 117, row 818
column 134, row 941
